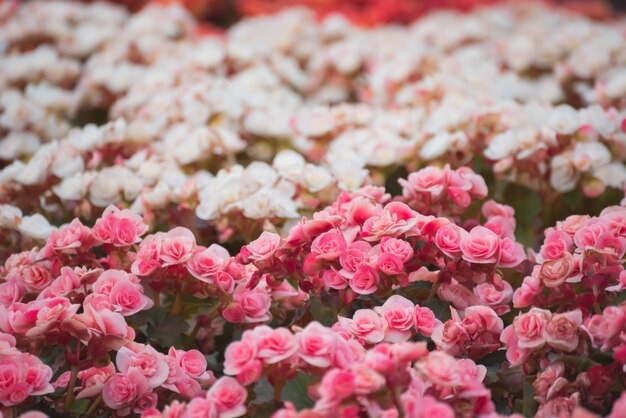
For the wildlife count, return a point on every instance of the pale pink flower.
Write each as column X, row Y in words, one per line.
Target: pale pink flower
column 229, row 397
column 561, row 331
column 481, row 246
column 366, row 325
column 398, row 312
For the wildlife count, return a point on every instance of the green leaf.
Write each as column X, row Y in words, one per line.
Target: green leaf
column 296, row 391
column 322, row 311
column 167, row 329
column 264, row 392
column 79, row 406
column 440, row 308
column 530, row 405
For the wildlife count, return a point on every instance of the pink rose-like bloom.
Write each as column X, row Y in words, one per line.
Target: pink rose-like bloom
column 354, row 256
column 11, row 291
column 315, row 344
column 395, row 219
column 425, row 320
column 440, row 368
column 334, row 280
column 480, row 245
column 448, row 239
column 514, row 354
column 329, row 245
column 365, row 280
column 193, row 363
column 127, row 298
column 619, row 407
column 555, row 244
column 122, row 389
column 492, row 208
column 35, row 278
column 277, row 345
column 71, row 237
column 119, row 227
column 525, row 294
column 200, row 408
column 431, row 180
column 255, row 304
column 553, row 273
column 496, row 295
column 229, row 397
column 390, row 264
column 240, row 354
column 429, row 407
column 398, row 312
column 398, row 247
column 145, row 402
column 587, row 236
column 206, row 263
column 145, row 359
column 176, row 246
column 562, row 330
column 529, row 328
column 367, row 380
column 263, row 248
column 335, row 386
column 511, row 253
column 93, row 380
column 366, row 325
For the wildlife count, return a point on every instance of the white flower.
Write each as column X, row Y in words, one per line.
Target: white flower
column 74, row 187
column 67, row 161
column 612, row 175
column 600, row 120
column 563, row 175
column 106, row 187
column 316, row 178
column 590, row 155
column 36, row 227
column 564, row 119
column 289, row 164
column 10, row 216
column 502, row 145
column 436, row 146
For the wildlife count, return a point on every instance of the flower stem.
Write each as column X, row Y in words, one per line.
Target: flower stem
column 69, row 396
column 94, row 405
column 177, row 307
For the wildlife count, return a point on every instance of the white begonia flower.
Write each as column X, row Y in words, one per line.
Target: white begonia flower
column 289, row 164
column 36, row 227
column 10, row 216
column 67, row 162
column 315, row 121
column 563, row 174
column 33, row 172
column 615, row 84
column 268, row 122
column 283, row 206
column 132, row 187
column 158, row 197
column 74, row 187
column 316, row 178
column 588, row 156
column 502, row 145
column 564, row 119
column 258, row 205
column 436, row 146
column 106, row 187
column 612, row 175
column 16, row 144
column 150, row 171
column 601, row 120
column 258, row 175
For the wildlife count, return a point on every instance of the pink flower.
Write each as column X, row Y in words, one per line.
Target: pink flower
column 514, row 354
column 562, row 330
column 255, row 304
column 329, row 245
column 431, row 180
column 335, row 386
column 315, row 344
column 354, row 256
column 70, row 238
column 366, row 380
column 496, row 295
column 480, row 245
column 229, row 397
column 366, row 325
column 448, row 239
column 193, row 363
column 35, row 278
column 276, row 345
column 334, row 280
column 263, row 248
column 425, row 320
column 240, row 354
column 587, row 236
column 201, row 408
column 511, row 253
column 619, row 407
column 395, row 219
column 121, row 390
column 93, row 380
column 145, row 402
column 429, row 407
column 398, row 247
column 11, row 291
column 119, row 227
column 525, row 294
column 553, row 273
column 206, row 263
column 390, row 264
column 145, row 359
column 529, row 328
column 127, row 298
column 176, row 246
column 365, row 280
column 439, row 368
column 555, row 244
column 398, row 312
column 492, row 208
